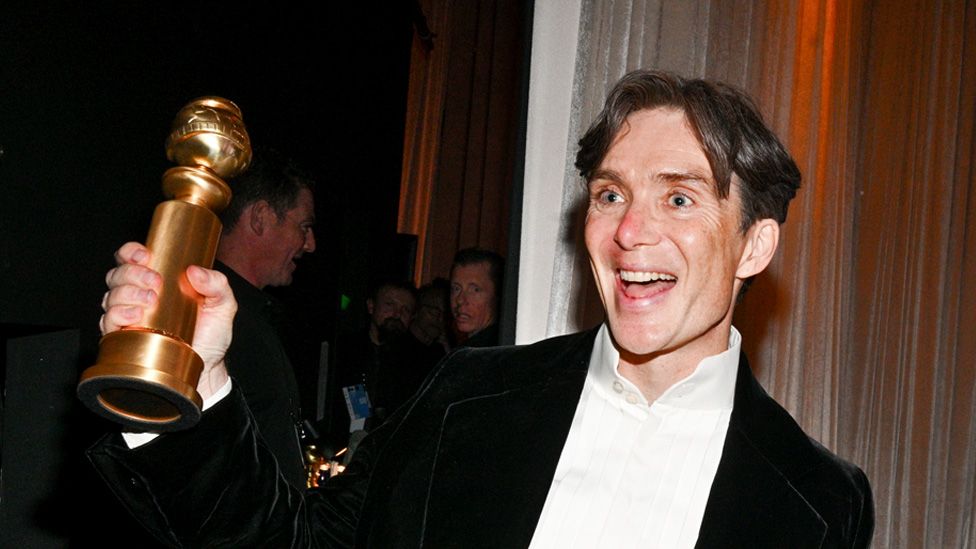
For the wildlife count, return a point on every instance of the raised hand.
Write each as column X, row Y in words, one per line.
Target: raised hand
column 132, row 288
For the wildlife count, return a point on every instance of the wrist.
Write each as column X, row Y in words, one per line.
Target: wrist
column 212, row 379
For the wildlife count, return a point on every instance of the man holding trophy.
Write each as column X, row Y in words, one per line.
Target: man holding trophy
column 648, row 430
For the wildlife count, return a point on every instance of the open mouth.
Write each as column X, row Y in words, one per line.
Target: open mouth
column 643, row 284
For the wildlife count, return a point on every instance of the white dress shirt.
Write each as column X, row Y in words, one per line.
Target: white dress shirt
column 638, row 474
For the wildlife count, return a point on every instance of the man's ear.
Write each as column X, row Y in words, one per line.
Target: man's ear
column 257, row 216
column 761, row 241
column 369, row 305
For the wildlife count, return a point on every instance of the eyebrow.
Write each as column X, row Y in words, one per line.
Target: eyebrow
column 601, row 173
column 668, row 176
column 686, row 177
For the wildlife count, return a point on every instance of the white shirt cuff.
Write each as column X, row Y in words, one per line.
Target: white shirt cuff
column 135, row 440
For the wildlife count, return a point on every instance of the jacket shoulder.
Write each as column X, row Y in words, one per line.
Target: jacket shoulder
column 841, row 494
column 473, row 371
column 835, row 488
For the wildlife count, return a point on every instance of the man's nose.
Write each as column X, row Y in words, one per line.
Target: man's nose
column 639, row 226
column 309, row 246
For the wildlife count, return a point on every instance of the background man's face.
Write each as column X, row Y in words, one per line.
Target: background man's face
column 663, row 246
column 430, row 315
column 286, row 239
column 472, row 297
column 392, row 310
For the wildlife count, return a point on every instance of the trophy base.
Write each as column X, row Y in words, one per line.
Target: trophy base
column 145, row 381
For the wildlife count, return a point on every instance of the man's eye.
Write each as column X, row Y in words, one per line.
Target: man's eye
column 610, row 197
column 679, row 200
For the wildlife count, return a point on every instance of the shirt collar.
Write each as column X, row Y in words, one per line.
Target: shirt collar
column 710, row 386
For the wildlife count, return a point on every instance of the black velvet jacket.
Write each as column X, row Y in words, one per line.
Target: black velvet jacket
column 468, row 463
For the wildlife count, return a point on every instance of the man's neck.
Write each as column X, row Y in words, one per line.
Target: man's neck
column 237, row 260
column 655, row 373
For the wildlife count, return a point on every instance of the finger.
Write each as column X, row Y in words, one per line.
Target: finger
column 132, row 252
column 133, row 275
column 119, row 316
column 129, row 296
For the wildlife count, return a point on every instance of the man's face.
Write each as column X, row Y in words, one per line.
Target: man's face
column 472, row 297
column 286, row 239
column 666, row 251
column 430, row 315
column 391, row 311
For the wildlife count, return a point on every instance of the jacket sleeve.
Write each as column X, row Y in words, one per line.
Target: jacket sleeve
column 218, row 485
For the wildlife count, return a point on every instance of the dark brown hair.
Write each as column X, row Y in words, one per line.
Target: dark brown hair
column 271, row 177
column 728, row 125
column 473, row 256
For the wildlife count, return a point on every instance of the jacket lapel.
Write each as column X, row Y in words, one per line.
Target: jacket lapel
column 512, row 438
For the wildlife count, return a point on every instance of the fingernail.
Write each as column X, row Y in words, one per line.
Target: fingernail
column 198, row 274
column 145, row 295
column 150, row 278
column 139, row 256
column 130, row 312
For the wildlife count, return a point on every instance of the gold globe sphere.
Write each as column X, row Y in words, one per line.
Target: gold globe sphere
column 209, row 132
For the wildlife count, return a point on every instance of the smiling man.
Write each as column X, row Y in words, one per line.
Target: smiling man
column 647, row 431
column 669, row 247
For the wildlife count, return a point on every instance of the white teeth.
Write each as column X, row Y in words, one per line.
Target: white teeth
column 644, row 276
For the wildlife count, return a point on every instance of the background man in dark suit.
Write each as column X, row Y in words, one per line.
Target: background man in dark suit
column 368, row 355
column 266, row 228
column 649, row 430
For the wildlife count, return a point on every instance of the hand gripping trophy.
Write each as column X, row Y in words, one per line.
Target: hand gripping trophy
column 145, row 376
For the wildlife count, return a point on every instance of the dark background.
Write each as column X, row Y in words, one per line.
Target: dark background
column 88, row 91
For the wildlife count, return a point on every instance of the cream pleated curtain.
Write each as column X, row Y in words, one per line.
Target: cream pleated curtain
column 864, row 327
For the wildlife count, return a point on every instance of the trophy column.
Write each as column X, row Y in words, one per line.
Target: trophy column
column 145, row 376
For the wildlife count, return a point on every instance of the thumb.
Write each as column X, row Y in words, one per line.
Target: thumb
column 215, row 316
column 212, row 285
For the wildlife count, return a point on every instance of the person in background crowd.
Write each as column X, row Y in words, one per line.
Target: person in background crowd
column 430, row 323
column 267, row 227
column 476, row 282
column 417, row 353
column 363, row 357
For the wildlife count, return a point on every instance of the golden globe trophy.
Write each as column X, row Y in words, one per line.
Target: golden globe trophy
column 145, row 376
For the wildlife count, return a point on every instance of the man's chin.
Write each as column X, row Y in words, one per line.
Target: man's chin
column 282, row 280
column 635, row 340
column 392, row 328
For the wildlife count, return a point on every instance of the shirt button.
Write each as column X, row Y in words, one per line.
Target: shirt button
column 632, row 398
column 617, row 386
